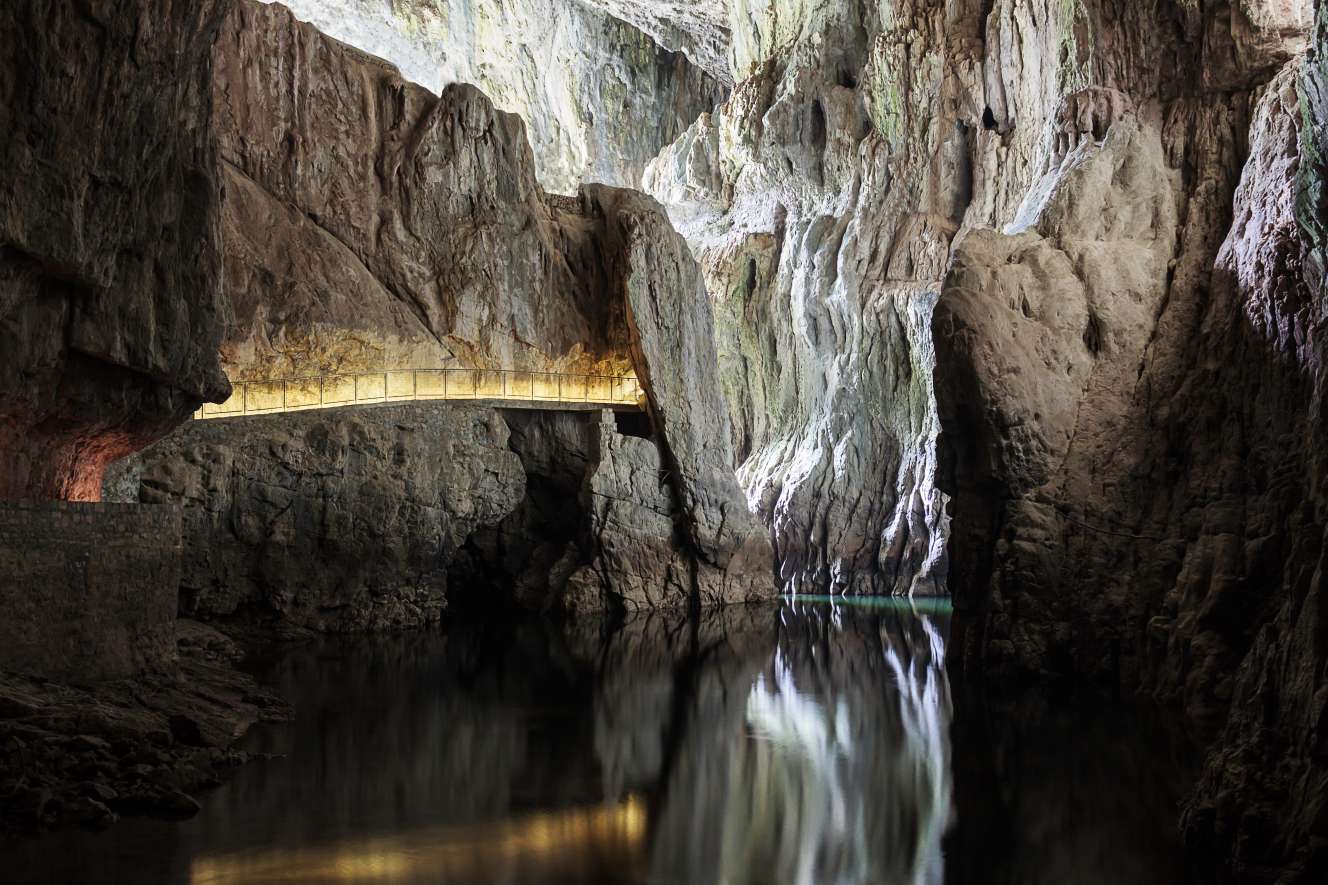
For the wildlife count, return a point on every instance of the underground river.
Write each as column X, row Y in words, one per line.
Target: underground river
column 803, row 743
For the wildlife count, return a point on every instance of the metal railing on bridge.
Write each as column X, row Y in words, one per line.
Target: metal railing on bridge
column 331, row 391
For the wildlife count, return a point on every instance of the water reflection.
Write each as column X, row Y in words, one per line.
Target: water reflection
column 829, row 765
column 795, row 744
column 551, row 840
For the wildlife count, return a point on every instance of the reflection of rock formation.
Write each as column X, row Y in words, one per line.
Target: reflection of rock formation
column 756, row 744
column 1051, row 789
column 809, row 749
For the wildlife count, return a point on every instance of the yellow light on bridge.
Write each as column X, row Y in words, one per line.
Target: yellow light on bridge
column 405, row 385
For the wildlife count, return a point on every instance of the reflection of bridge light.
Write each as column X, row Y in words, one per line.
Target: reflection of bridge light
column 440, row 853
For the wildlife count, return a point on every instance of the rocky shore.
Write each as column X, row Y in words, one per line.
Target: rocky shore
column 143, row 746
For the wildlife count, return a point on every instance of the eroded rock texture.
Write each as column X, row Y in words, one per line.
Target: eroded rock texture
column 821, row 199
column 599, row 529
column 671, row 338
column 599, row 98
column 339, row 520
column 1127, row 372
column 110, row 257
column 90, row 589
column 697, row 28
column 1129, row 379
column 371, row 223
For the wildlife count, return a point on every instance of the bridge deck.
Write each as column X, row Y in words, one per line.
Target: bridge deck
column 504, row 388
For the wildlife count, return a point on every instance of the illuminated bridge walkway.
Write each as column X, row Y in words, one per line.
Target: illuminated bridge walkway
column 544, row 390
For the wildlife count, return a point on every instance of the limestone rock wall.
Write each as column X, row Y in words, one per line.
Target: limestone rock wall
column 599, row 98
column 599, row 527
column 371, row 223
column 672, row 342
column 340, row 520
column 1098, row 198
column 698, row 28
column 381, row 517
column 1128, row 382
column 111, row 308
column 821, row 199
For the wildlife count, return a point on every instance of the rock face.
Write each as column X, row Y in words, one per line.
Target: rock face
column 599, row 529
column 110, row 252
column 371, row 223
column 671, row 337
column 634, row 563
column 1129, row 384
column 822, row 204
column 409, row 509
column 599, row 98
column 414, row 233
column 339, row 520
column 1127, row 369
column 1044, row 333
column 697, row 28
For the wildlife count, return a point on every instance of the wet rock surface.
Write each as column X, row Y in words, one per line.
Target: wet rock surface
column 86, row 755
column 110, row 254
column 417, row 235
column 820, row 200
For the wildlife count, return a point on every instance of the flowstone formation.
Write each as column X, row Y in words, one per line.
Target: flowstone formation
column 821, row 199
column 599, row 98
column 1127, row 370
column 110, row 256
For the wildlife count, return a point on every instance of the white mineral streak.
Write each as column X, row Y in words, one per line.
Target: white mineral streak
column 599, row 98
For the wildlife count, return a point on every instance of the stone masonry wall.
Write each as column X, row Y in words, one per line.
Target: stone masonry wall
column 89, row 590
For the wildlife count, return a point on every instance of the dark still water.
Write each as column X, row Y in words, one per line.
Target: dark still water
column 804, row 744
